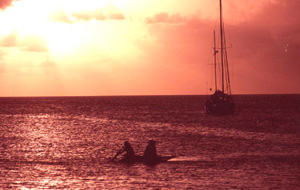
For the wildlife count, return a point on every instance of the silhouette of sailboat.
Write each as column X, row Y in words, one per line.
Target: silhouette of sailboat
column 221, row 102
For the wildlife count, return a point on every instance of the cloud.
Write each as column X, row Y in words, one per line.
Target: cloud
column 31, row 43
column 48, row 63
column 5, row 3
column 99, row 14
column 117, row 16
column 165, row 18
column 89, row 15
column 9, row 40
column 266, row 46
column 60, row 16
column 270, row 33
column 2, row 54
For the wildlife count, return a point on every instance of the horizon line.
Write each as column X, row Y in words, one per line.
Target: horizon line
column 65, row 96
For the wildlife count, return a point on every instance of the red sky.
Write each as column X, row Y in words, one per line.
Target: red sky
column 145, row 47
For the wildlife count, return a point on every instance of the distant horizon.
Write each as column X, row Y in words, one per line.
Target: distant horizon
column 83, row 96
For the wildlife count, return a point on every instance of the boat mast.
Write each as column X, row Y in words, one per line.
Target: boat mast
column 215, row 60
column 222, row 48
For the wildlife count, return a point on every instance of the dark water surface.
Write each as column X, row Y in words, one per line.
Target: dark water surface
column 66, row 143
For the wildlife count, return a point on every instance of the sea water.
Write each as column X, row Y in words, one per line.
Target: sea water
column 67, row 143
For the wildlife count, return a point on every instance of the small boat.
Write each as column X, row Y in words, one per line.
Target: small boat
column 221, row 102
column 141, row 159
column 150, row 156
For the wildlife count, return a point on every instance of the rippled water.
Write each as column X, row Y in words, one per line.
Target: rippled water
column 66, row 143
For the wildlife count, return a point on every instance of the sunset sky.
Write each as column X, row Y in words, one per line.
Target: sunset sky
column 145, row 47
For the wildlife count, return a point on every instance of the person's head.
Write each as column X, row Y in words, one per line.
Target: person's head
column 152, row 142
column 126, row 144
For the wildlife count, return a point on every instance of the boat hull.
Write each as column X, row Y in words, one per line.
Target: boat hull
column 220, row 104
column 141, row 159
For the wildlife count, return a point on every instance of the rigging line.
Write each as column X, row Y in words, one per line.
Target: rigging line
column 228, row 76
column 219, row 71
column 227, row 69
column 222, row 50
column 215, row 60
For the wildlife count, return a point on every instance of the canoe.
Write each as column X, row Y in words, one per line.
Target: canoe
column 141, row 159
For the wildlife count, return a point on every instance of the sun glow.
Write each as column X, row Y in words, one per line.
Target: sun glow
column 67, row 33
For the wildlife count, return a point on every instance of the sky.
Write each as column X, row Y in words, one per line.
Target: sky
column 146, row 47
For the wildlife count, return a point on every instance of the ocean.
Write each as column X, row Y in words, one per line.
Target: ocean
column 67, row 143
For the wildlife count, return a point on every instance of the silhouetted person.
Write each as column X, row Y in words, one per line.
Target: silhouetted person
column 128, row 156
column 150, row 155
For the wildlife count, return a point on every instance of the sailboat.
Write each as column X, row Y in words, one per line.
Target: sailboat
column 221, row 102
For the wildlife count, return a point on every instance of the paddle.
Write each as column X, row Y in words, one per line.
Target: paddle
column 119, row 152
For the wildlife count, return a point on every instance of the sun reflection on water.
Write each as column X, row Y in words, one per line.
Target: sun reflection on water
column 67, row 144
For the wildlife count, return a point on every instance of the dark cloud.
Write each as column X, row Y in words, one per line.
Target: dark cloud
column 265, row 55
column 267, row 48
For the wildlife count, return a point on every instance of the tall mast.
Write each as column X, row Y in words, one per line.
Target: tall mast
column 222, row 48
column 215, row 60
